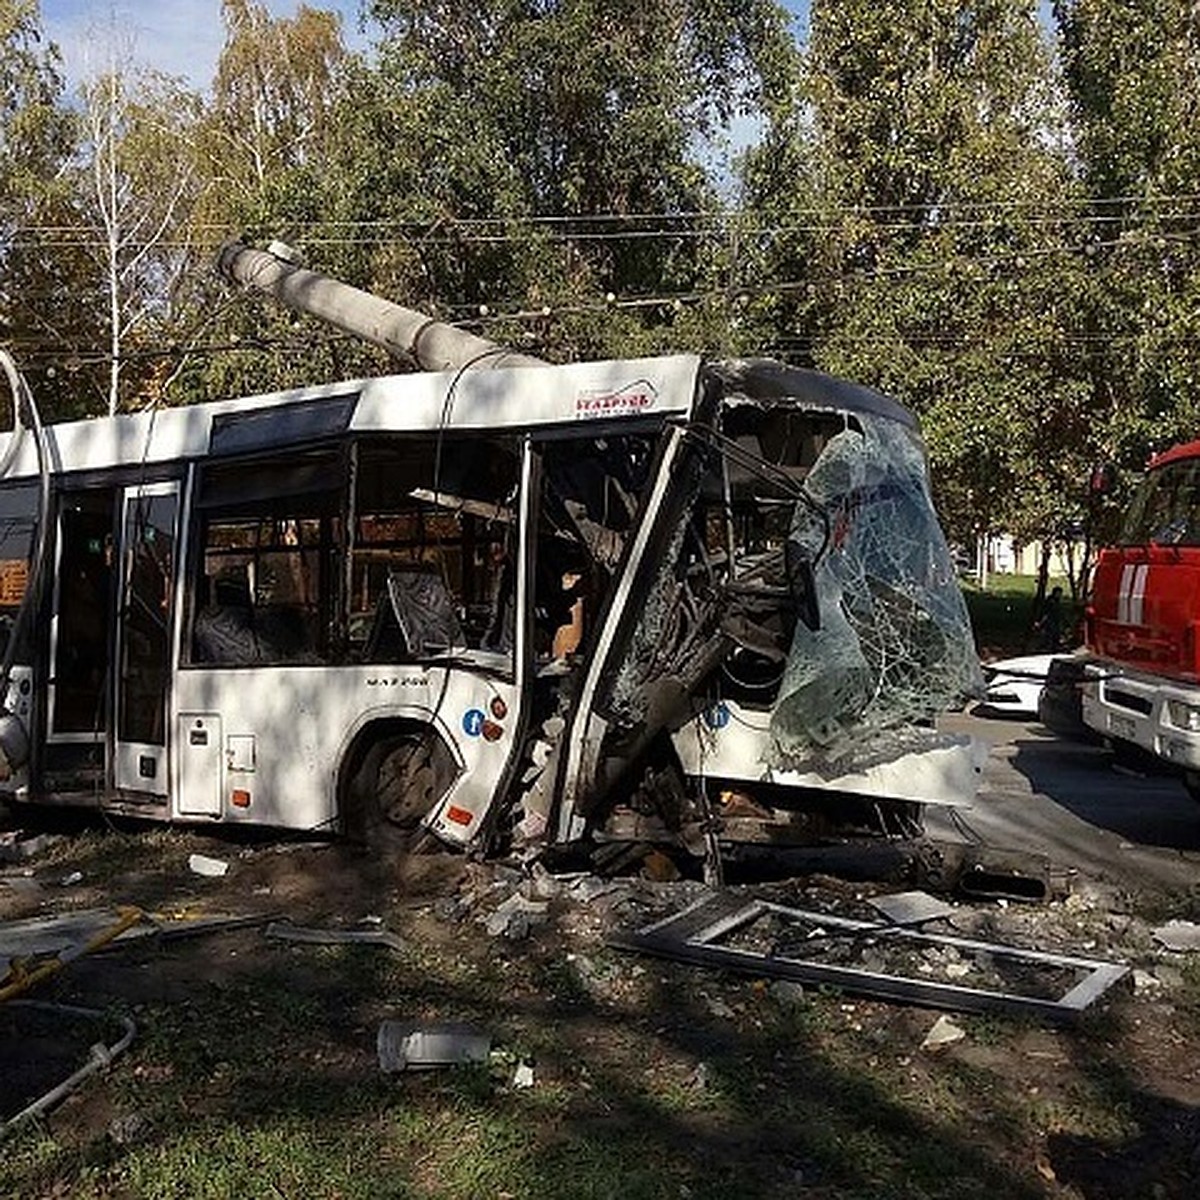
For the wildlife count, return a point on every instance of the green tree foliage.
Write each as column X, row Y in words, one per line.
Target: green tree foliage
column 47, row 296
column 1004, row 239
column 1132, row 68
column 269, row 151
column 545, row 154
column 932, row 228
column 278, row 84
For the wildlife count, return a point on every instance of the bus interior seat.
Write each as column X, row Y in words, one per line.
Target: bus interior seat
column 414, row 618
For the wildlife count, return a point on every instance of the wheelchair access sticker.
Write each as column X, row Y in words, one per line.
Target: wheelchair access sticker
column 717, row 717
column 472, row 722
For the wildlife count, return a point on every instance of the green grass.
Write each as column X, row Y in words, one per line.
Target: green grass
column 253, row 1074
column 265, row 1085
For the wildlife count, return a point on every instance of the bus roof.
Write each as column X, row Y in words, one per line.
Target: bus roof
column 515, row 398
column 765, row 380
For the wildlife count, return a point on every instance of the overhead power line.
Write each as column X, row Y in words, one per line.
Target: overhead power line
column 696, row 223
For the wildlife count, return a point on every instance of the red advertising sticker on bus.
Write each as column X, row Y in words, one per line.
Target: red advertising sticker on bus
column 632, row 398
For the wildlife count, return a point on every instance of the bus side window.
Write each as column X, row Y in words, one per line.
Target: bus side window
column 431, row 570
column 269, row 545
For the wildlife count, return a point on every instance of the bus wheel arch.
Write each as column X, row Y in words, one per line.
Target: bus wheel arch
column 393, row 775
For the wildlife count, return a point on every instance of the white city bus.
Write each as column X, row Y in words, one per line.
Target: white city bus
column 654, row 598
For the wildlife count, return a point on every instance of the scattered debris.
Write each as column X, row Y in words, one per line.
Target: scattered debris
column 411, row 1046
column 911, row 908
column 1178, row 935
column 981, row 872
column 38, row 948
column 14, row 847
column 41, row 936
column 657, row 866
column 725, row 931
column 943, row 1032
column 130, row 1129
column 172, row 929
column 1170, row 977
column 516, row 916
column 1145, row 982
column 717, row 1007
column 285, row 932
column 201, row 864
column 522, row 1076
column 71, row 879
column 591, row 887
column 787, row 994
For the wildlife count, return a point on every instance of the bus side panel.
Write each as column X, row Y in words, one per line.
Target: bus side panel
column 282, row 733
column 200, row 789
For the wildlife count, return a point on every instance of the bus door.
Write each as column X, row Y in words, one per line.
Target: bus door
column 145, row 637
column 80, row 642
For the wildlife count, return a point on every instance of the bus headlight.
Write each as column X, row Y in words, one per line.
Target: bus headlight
column 14, row 744
column 1183, row 715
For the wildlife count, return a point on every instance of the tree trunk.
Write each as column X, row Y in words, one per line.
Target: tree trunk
column 1039, row 595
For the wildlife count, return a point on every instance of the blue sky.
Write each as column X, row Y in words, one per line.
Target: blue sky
column 181, row 37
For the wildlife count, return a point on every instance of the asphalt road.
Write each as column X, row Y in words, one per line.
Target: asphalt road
column 1067, row 800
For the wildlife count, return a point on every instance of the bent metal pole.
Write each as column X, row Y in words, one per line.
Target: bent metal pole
column 403, row 332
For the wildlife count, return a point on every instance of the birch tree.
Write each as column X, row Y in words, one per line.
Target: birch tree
column 277, row 87
column 141, row 185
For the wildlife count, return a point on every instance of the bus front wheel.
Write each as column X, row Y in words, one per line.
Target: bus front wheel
column 400, row 779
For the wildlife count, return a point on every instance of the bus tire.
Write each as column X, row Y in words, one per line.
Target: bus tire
column 398, row 782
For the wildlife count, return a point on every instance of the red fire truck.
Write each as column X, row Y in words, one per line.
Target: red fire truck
column 1142, row 687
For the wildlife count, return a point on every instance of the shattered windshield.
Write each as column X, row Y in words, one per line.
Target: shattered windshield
column 803, row 574
column 894, row 644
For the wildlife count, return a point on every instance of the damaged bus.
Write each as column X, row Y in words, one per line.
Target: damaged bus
column 666, row 600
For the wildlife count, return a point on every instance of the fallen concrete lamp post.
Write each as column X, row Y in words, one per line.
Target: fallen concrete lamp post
column 702, row 932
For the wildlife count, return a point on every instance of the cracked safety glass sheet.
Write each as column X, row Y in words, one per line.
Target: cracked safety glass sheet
column 894, row 645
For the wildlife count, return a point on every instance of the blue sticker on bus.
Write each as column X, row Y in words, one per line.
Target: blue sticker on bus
column 473, row 720
column 717, row 717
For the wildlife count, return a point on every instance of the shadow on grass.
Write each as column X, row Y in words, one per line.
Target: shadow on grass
column 263, row 1082
column 1151, row 1146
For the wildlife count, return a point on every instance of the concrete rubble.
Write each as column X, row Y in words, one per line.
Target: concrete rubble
column 1178, row 935
column 943, row 1032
